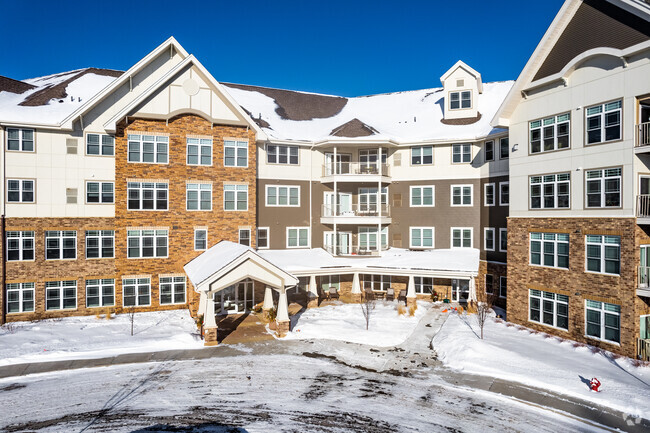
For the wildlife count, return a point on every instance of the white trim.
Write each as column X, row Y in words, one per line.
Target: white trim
column 494, row 194
column 235, row 191
column 289, row 187
column 485, row 230
column 172, row 283
column 501, row 203
column 501, row 231
column 298, row 228
column 236, row 141
column 268, row 238
column 206, row 239
column 461, row 186
column 501, row 278
column 433, row 195
column 433, row 237
column 471, row 237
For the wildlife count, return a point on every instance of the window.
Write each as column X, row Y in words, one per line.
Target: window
column 489, row 151
column 20, row 297
column 297, row 237
column 458, row 100
column 603, row 321
column 100, row 293
column 504, row 193
column 172, row 290
column 146, row 243
column 549, row 249
column 368, row 160
column 604, row 187
column 461, row 195
column 235, row 153
column 422, row 196
column 503, row 287
column 150, row 149
column 99, row 192
column 20, row 191
column 553, row 132
column 198, row 196
column 488, row 239
column 503, row 240
column 136, row 292
column 489, row 284
column 461, row 237
column 423, row 285
column 422, row 237
column 147, row 195
column 368, row 238
column 21, row 140
column 376, row 283
column 199, row 151
column 20, row 245
column 100, row 144
column 245, row 237
column 604, row 254
column 422, row 155
column 550, row 191
column 262, row 238
column 604, row 122
column 60, row 244
column 100, row 244
column 281, row 195
column 329, row 281
column 61, row 295
column 488, row 194
column 235, row 197
column 461, row 153
column 548, row 308
column 504, row 148
column 368, row 200
column 200, row 239
column 281, row 154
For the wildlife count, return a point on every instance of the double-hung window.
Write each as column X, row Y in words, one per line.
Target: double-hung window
column 235, row 197
column 200, row 239
column 422, row 196
column 199, row 196
column 20, row 245
column 460, row 100
column 20, row 191
column 489, row 284
column 461, row 195
column 376, row 283
column 604, row 122
column 100, row 192
column 461, row 153
column 262, row 237
column 235, row 153
column 503, row 287
column 550, row 191
column 422, row 155
column 136, row 292
column 423, row 285
column 147, row 195
column 368, row 200
column 503, row 240
column 60, row 244
column 368, row 238
column 461, row 237
column 550, row 134
column 604, row 254
column 280, row 154
column 21, row 140
column 199, row 151
column 146, row 243
column 489, row 151
column 488, row 239
column 245, row 237
column 61, row 295
column 149, row 149
column 172, row 290
column 549, row 249
column 504, row 148
column 488, row 195
column 100, row 144
column 604, row 187
column 603, row 320
column 20, row 297
column 504, row 193
column 100, row 292
column 100, row 244
column 282, row 195
column 297, row 237
column 422, row 237
column 547, row 308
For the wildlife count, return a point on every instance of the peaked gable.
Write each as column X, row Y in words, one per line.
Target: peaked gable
column 353, row 128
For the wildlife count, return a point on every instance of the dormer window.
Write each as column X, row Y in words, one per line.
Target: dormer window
column 460, row 100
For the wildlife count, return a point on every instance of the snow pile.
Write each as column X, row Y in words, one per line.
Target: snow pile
column 540, row 360
column 345, row 322
column 88, row 337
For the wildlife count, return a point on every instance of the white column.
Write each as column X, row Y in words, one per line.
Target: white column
column 356, row 287
column 336, row 200
column 410, row 291
column 283, row 307
column 268, row 299
column 209, row 319
column 379, row 244
column 313, row 288
column 203, row 299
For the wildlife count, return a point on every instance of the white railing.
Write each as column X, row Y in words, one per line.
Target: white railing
column 356, row 168
column 355, row 210
column 643, row 349
column 354, row 251
column 642, row 135
column 643, row 206
column 644, row 277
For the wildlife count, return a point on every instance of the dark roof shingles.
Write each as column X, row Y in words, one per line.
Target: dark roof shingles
column 14, row 86
column 353, row 128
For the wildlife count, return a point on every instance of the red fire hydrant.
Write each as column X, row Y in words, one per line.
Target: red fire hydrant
column 594, row 384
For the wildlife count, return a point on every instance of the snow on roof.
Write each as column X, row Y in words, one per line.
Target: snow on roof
column 215, row 258
column 408, row 116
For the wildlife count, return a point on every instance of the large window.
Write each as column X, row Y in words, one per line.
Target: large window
column 422, row 237
column 146, row 243
column 235, row 153
column 423, row 285
column 461, row 237
column 297, row 237
column 172, row 290
column 199, row 151
column 276, row 154
column 549, row 249
column 488, row 194
column 604, row 187
column 20, row 139
column 100, row 144
column 488, row 239
column 60, row 244
column 235, row 197
column 504, row 148
column 150, row 149
column 20, row 297
column 20, row 190
column 376, row 283
column 199, row 196
column 423, row 196
column 504, row 193
column 100, row 244
column 262, row 238
column 422, row 155
column 200, row 239
column 282, row 195
column 461, row 153
column 147, row 195
column 368, row 238
column 20, row 245
column 604, row 122
column 550, row 191
column 460, row 100
column 604, row 254
column 548, row 308
column 603, row 320
column 136, row 292
column 461, row 195
column 550, row 134
column 100, row 292
column 368, row 199
column 100, row 192
column 61, row 295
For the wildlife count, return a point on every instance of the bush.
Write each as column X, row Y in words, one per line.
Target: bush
column 412, row 309
column 271, row 314
column 401, row 309
column 108, row 314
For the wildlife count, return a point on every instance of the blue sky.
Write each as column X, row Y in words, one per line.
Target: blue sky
column 346, row 48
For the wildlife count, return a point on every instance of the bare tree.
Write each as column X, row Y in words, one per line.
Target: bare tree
column 483, row 309
column 130, row 313
column 367, row 307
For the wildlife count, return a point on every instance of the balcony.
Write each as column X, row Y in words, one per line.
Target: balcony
column 642, row 141
column 355, row 214
column 643, row 209
column 643, row 349
column 353, row 252
column 643, row 285
column 356, row 172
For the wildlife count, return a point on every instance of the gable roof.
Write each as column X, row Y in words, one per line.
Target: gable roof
column 14, row 86
column 467, row 68
column 353, row 128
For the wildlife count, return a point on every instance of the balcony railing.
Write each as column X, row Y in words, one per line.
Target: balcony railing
column 643, row 206
column 643, row 349
column 356, row 210
column 642, row 135
column 644, row 277
column 356, row 168
column 354, row 251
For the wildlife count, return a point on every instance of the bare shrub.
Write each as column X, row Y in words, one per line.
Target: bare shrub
column 367, row 307
column 483, row 311
column 412, row 309
column 130, row 313
column 401, row 309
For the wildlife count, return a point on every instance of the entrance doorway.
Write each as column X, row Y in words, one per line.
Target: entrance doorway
column 459, row 290
column 235, row 299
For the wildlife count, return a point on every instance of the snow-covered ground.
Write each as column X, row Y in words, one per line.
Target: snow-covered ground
column 89, row 337
column 345, row 322
column 518, row 354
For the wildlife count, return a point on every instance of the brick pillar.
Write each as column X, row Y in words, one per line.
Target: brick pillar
column 210, row 335
column 283, row 327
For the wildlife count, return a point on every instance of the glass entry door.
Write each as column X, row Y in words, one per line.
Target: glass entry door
column 459, row 290
column 235, row 299
column 342, row 166
column 645, row 328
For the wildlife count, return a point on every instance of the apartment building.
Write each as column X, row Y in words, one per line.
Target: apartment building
column 578, row 233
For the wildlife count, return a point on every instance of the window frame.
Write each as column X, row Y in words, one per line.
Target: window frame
column 485, row 151
column 24, row 235
column 369, row 230
column 503, row 284
column 491, row 285
column 101, row 236
column 199, row 187
column 240, row 237
column 485, row 194
column 298, row 230
column 462, row 195
column 20, row 289
column 421, row 283
column 541, row 129
column 422, row 237
column 268, row 238
column 602, row 119
column 277, row 154
column 461, row 153
column 485, row 238
column 501, row 231
column 421, row 188
column 277, row 195
column 174, row 282
column 555, row 301
column 21, row 140
column 60, row 236
column 137, row 284
column 21, row 191
column 421, row 155
column 200, row 145
column 197, row 230
column 141, row 141
column 234, row 188
column 603, row 325
column 602, row 181
column 603, row 260
column 130, row 234
column 101, row 284
column 384, row 282
column 462, row 237
column 100, row 184
column 460, row 94
column 100, row 144
column 237, row 145
column 49, row 286
column 157, row 188
column 505, row 140
column 544, row 238
column 556, row 195
column 501, row 202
